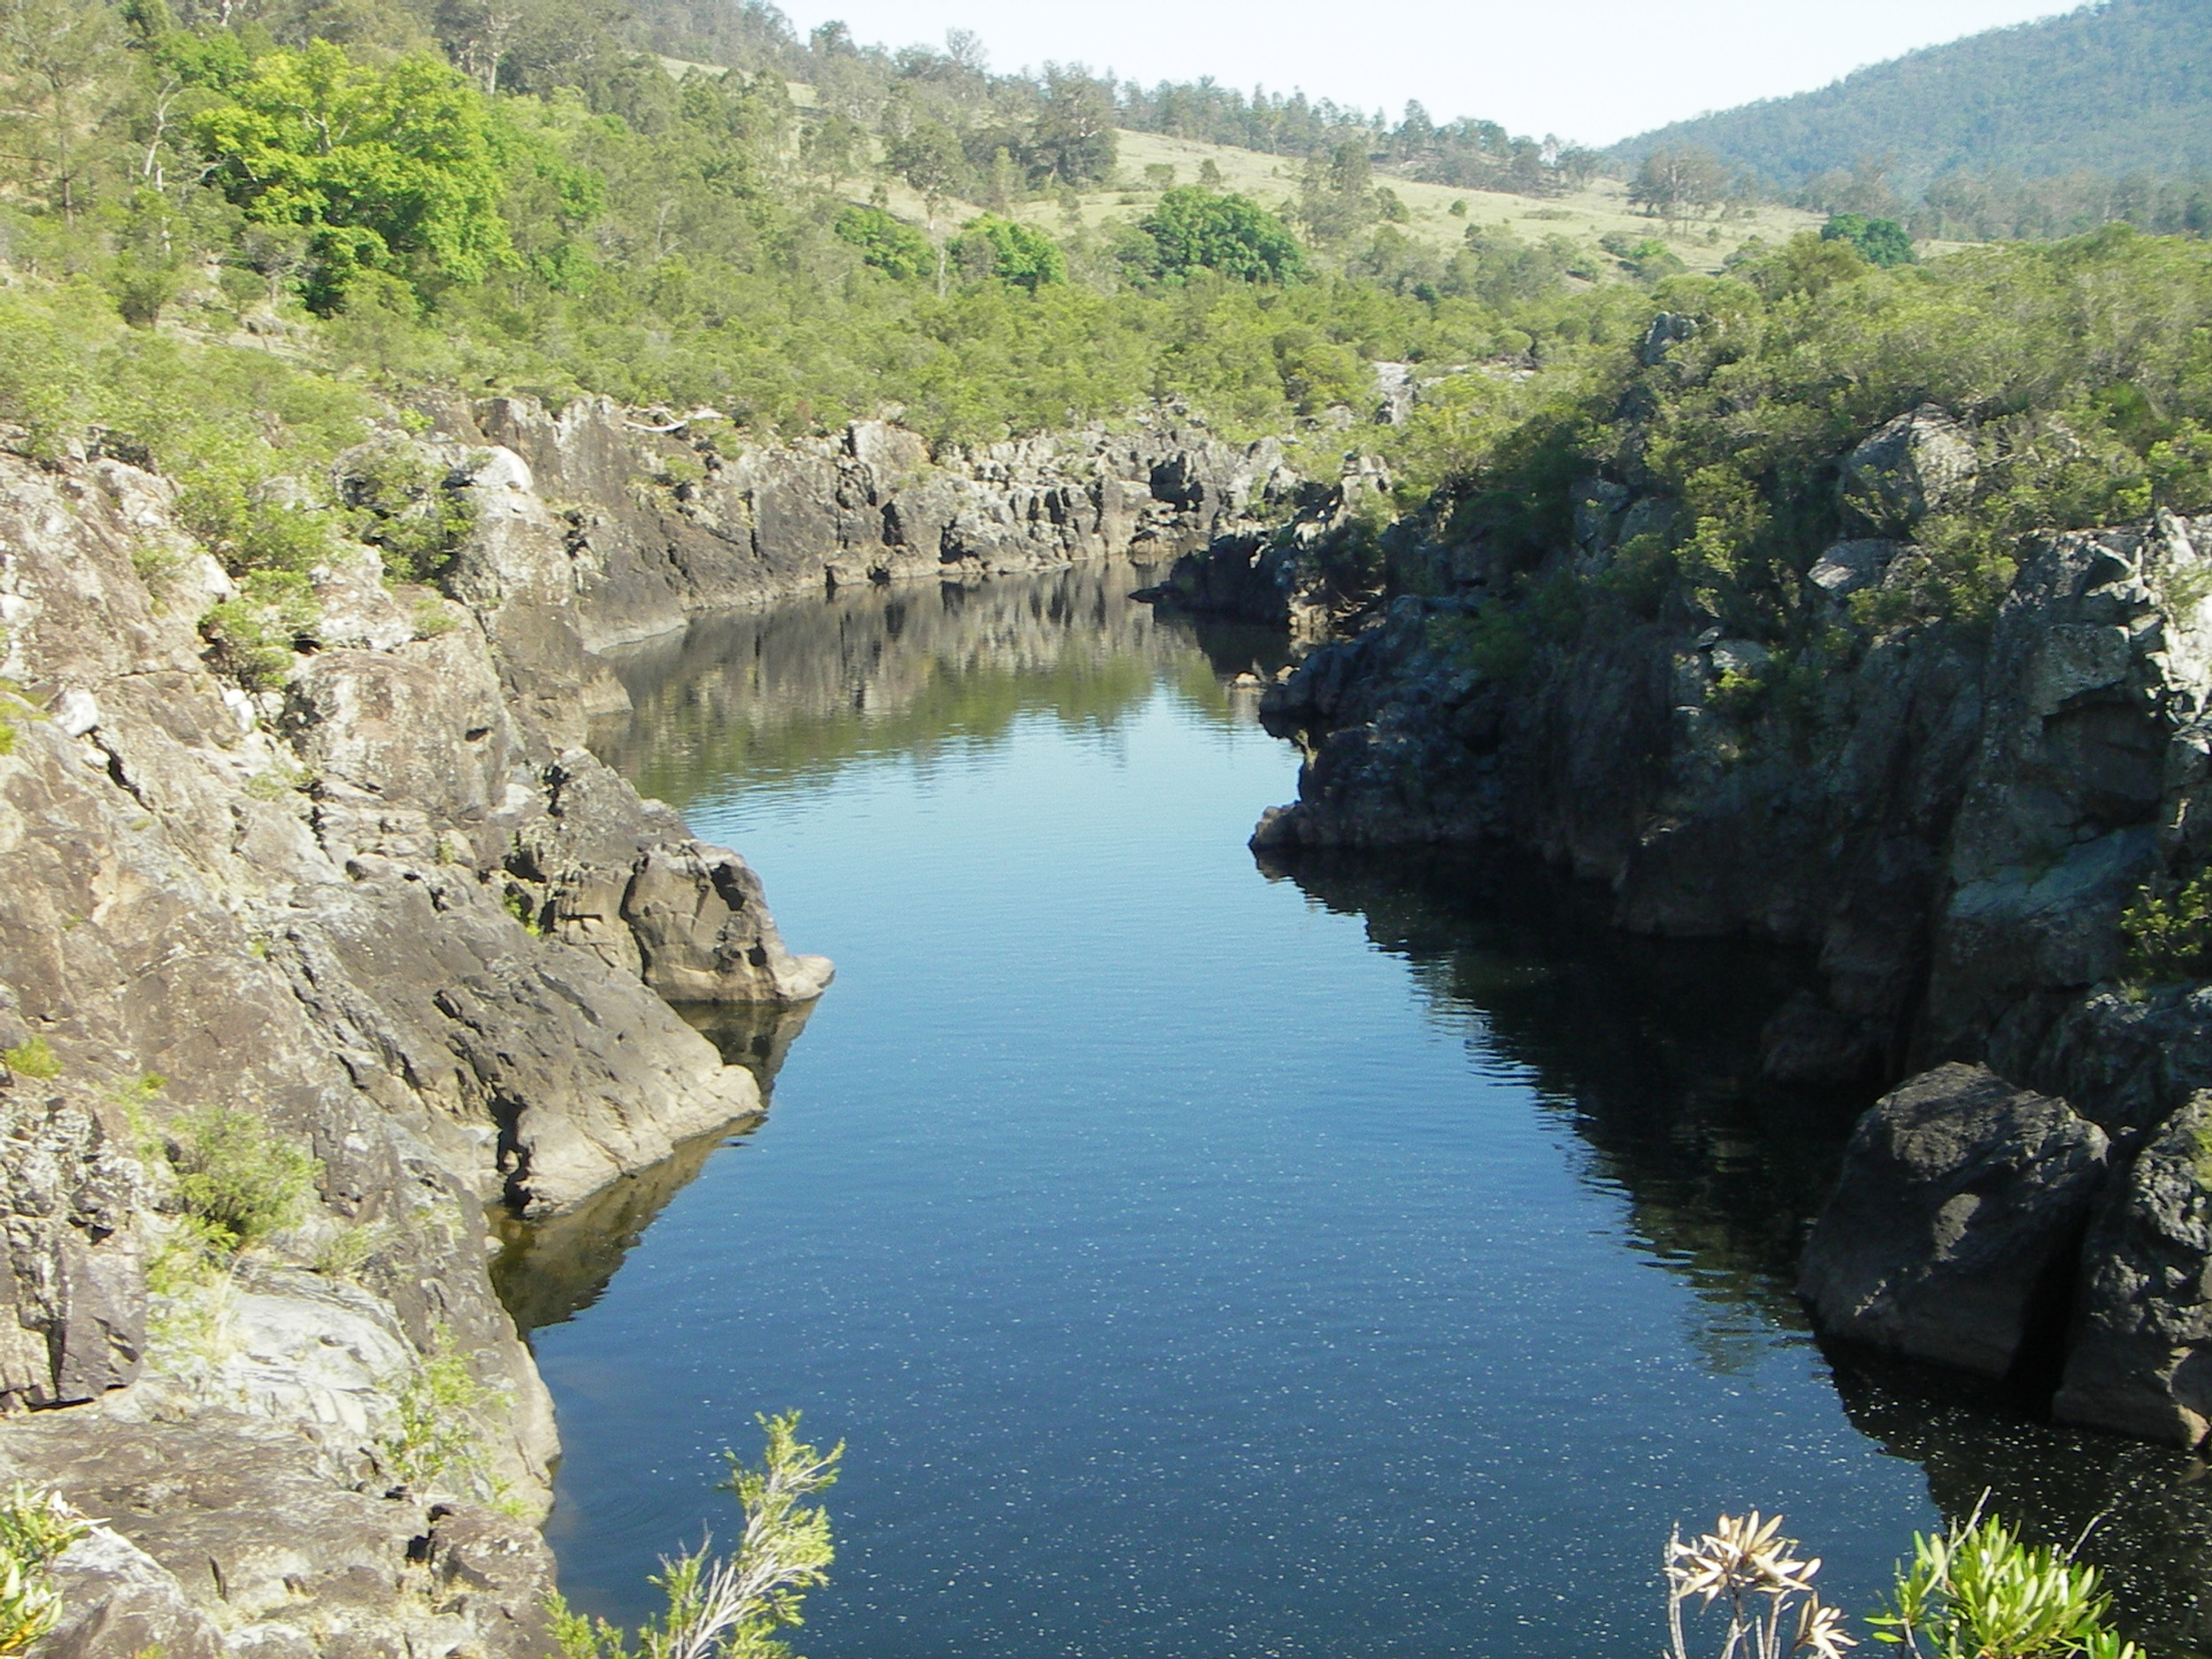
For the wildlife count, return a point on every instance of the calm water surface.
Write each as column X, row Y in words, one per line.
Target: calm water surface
column 1205, row 1259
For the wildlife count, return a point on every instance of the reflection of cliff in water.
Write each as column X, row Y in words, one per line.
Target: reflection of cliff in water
column 1647, row 1049
column 794, row 692
column 550, row 1270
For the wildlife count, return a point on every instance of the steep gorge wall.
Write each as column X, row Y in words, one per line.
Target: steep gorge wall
column 1953, row 819
column 396, row 911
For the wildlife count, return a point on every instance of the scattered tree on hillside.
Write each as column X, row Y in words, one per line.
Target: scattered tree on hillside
column 1678, row 182
column 1336, row 198
column 53, row 56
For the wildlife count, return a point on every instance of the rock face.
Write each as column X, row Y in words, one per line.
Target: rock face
column 387, row 912
column 2141, row 1362
column 1955, row 828
column 1919, row 464
column 1956, row 1220
column 1953, row 820
column 596, row 530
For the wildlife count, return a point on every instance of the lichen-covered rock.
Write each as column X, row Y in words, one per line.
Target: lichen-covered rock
column 2141, row 1359
column 118, row 1602
column 1960, row 1196
column 1919, row 464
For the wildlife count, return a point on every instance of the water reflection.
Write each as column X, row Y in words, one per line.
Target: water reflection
column 1641, row 1052
column 1648, row 1048
column 550, row 1270
column 787, row 698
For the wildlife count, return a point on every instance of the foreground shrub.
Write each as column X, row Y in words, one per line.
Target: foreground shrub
column 35, row 1527
column 729, row 1607
column 1977, row 1591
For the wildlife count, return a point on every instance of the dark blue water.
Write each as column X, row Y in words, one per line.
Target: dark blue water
column 1199, row 1259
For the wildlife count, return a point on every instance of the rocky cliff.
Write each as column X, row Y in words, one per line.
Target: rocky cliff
column 1955, row 818
column 385, row 908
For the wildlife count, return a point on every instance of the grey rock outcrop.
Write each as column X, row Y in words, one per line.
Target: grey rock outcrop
column 596, row 530
column 117, row 1599
column 1956, row 1220
column 2141, row 1361
column 319, row 908
column 1919, row 464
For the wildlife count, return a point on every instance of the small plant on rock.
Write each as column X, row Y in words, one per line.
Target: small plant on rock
column 2170, row 938
column 236, row 1177
column 731, row 1606
column 32, row 1057
column 436, row 1437
column 35, row 1527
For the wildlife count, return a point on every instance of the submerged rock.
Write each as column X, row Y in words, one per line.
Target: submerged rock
column 1954, row 1221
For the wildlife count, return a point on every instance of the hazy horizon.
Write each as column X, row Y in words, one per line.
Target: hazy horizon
column 1592, row 72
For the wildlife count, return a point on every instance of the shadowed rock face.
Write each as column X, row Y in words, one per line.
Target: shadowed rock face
column 1959, row 1195
column 2141, row 1362
column 1954, row 822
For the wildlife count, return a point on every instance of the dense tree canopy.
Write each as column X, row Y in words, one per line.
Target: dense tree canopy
column 398, row 170
column 1194, row 228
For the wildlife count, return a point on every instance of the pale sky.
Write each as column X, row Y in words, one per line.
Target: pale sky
column 1590, row 71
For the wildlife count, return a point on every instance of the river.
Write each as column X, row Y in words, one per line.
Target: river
column 1208, row 1259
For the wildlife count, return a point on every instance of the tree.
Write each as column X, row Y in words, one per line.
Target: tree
column 397, row 170
column 1337, row 200
column 1678, row 182
column 1194, row 228
column 54, row 54
column 475, row 34
column 995, row 247
column 833, row 146
column 1073, row 141
column 1882, row 241
column 895, row 249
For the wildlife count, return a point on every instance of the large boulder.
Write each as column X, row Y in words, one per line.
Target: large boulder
column 2141, row 1362
column 1919, row 464
column 1960, row 1198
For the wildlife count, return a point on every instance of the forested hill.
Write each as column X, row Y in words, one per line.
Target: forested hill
column 2121, row 87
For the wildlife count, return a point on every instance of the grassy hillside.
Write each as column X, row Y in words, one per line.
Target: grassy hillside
column 2121, row 87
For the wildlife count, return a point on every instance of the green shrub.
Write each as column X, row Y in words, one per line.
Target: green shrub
column 32, row 1058
column 1979, row 1591
column 436, row 1436
column 1493, row 642
column 1014, row 253
column 403, row 506
column 895, row 248
column 237, row 1175
column 2170, row 938
column 1880, row 241
column 35, row 1528
column 250, row 637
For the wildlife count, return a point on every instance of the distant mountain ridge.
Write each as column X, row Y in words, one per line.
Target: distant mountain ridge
column 2115, row 89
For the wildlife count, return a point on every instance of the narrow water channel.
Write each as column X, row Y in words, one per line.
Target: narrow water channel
column 1206, row 1259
